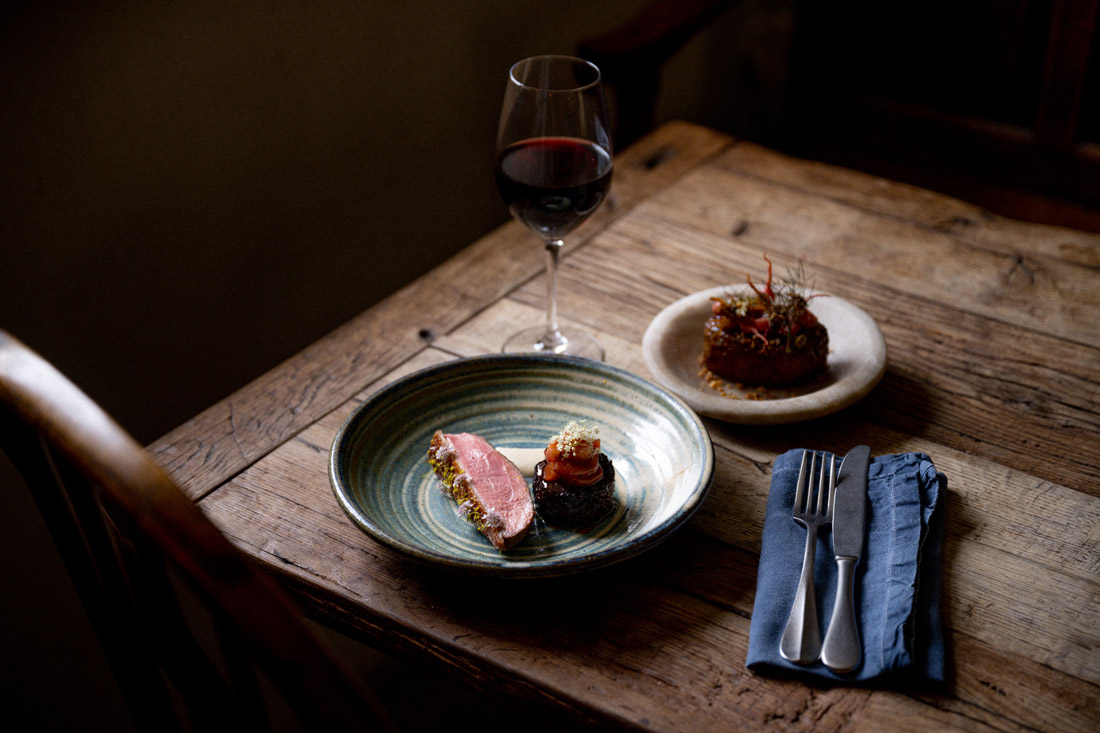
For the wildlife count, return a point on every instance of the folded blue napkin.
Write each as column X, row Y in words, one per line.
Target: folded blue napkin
column 897, row 580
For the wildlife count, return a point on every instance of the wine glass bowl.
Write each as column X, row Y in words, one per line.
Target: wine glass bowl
column 553, row 170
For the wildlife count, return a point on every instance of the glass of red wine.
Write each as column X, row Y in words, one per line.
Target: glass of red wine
column 553, row 170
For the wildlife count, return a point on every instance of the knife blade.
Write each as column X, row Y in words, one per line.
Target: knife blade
column 841, row 650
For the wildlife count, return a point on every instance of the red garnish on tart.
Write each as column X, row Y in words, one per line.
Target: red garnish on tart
column 765, row 337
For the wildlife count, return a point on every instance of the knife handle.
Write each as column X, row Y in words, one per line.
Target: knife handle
column 841, row 651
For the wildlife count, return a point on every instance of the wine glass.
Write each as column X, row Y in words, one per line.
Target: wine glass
column 553, row 170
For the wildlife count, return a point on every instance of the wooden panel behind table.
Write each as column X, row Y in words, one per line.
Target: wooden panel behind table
column 225, row 438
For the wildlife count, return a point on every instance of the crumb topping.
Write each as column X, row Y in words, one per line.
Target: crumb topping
column 575, row 434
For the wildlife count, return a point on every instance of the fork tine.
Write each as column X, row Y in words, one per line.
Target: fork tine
column 800, row 487
column 814, row 505
column 832, row 486
column 819, row 498
column 821, row 492
column 811, row 485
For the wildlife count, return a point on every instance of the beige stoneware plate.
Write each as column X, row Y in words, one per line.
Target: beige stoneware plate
column 673, row 346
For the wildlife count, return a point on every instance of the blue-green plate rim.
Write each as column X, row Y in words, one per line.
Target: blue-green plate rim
column 531, row 569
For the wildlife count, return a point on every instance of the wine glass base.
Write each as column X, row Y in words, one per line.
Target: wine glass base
column 572, row 343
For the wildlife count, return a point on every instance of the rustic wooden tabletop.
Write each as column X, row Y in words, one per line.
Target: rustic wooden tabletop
column 993, row 335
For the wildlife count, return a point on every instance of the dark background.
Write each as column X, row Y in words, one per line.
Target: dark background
column 192, row 192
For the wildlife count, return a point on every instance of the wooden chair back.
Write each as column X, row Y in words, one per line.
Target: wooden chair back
column 136, row 547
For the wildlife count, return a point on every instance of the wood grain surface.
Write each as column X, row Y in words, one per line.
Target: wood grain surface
column 992, row 331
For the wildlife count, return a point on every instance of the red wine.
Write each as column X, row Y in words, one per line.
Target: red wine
column 552, row 184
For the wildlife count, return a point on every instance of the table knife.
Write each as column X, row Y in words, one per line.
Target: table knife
column 841, row 649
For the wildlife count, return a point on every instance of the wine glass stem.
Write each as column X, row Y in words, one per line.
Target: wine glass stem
column 553, row 339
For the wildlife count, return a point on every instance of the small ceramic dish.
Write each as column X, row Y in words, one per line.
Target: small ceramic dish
column 673, row 347
column 663, row 459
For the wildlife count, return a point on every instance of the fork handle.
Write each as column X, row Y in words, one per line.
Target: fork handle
column 841, row 652
column 801, row 642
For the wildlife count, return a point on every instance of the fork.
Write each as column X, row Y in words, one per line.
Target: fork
column 801, row 642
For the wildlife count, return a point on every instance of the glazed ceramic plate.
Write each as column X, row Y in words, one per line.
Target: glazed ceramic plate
column 663, row 459
column 673, row 347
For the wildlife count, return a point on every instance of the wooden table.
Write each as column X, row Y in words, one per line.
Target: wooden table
column 993, row 331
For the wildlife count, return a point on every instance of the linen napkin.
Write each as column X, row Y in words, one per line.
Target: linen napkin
column 897, row 580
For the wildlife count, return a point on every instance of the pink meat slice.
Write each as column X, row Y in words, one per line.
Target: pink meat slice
column 496, row 483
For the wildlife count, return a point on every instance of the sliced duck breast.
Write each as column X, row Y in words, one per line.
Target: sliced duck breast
column 489, row 489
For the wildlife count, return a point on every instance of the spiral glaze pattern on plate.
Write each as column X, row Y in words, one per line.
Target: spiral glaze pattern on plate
column 379, row 473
